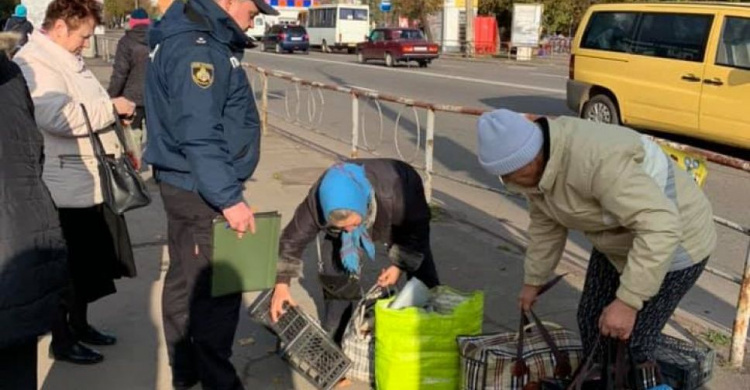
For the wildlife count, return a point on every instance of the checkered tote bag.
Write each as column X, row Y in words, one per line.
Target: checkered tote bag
column 517, row 361
column 358, row 342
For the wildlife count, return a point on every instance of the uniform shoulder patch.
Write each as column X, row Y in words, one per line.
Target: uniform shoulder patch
column 202, row 73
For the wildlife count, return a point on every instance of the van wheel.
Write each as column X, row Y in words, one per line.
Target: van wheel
column 389, row 60
column 602, row 109
column 324, row 47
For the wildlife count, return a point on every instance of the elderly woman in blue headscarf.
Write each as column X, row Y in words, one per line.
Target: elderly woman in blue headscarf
column 355, row 204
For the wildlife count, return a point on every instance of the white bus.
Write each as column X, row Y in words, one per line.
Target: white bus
column 338, row 26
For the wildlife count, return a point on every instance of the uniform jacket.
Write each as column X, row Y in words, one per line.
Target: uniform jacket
column 129, row 71
column 59, row 82
column 402, row 218
column 33, row 265
column 619, row 188
column 204, row 129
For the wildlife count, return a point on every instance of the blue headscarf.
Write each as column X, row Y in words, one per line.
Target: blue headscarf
column 345, row 187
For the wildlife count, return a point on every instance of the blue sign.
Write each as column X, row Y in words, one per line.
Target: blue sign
column 385, row 5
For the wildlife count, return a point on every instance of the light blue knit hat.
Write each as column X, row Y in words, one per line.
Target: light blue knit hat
column 20, row 11
column 507, row 141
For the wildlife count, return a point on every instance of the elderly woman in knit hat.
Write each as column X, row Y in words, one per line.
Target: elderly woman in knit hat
column 355, row 204
column 649, row 223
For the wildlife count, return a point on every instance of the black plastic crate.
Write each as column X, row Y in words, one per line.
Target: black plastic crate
column 289, row 325
column 314, row 355
column 685, row 365
column 304, row 344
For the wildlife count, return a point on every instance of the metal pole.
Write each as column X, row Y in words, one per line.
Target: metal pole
column 355, row 125
column 739, row 333
column 429, row 151
column 469, row 27
column 264, row 103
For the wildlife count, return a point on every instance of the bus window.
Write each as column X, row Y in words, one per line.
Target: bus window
column 352, row 14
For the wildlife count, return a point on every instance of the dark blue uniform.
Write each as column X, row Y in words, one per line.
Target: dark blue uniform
column 204, row 121
column 203, row 144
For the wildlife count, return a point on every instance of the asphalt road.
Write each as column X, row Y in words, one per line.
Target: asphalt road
column 537, row 87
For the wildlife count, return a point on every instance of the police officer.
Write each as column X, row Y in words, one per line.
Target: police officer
column 204, row 145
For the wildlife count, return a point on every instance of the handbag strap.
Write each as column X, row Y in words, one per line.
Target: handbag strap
column 622, row 369
column 96, row 141
column 585, row 370
column 320, row 253
column 120, row 132
column 519, row 367
column 563, row 368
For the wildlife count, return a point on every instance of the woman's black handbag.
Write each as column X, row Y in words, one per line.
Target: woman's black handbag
column 123, row 188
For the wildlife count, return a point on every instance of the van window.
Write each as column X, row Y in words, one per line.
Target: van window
column 610, row 31
column 674, row 36
column 734, row 46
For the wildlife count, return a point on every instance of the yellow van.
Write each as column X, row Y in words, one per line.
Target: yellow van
column 673, row 67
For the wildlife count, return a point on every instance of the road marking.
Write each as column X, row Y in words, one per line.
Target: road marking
column 522, row 67
column 361, row 88
column 550, row 75
column 425, row 74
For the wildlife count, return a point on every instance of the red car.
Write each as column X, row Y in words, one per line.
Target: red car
column 394, row 45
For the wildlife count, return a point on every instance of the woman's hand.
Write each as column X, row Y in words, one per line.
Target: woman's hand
column 617, row 320
column 280, row 296
column 527, row 297
column 124, row 107
column 389, row 276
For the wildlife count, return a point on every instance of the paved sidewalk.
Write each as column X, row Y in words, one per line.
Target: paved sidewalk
column 473, row 251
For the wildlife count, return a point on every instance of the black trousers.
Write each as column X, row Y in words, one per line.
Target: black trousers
column 18, row 366
column 198, row 328
column 99, row 251
column 599, row 290
column 338, row 312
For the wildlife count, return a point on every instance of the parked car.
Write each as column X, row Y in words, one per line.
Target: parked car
column 394, row 45
column 680, row 68
column 285, row 38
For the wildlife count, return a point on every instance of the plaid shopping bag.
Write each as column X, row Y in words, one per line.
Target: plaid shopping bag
column 491, row 361
column 519, row 360
column 358, row 342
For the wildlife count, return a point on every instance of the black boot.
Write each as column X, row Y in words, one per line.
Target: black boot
column 91, row 336
column 77, row 354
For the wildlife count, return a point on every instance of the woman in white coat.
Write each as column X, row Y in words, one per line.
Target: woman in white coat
column 98, row 241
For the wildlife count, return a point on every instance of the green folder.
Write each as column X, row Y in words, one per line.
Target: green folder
column 247, row 263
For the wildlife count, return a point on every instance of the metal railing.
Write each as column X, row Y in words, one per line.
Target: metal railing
column 106, row 47
column 557, row 49
column 303, row 102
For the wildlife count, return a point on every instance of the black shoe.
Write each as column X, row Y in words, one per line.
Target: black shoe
column 78, row 354
column 92, row 336
column 180, row 384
